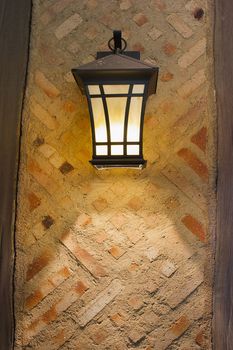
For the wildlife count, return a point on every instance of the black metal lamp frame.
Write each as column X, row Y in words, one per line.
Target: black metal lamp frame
column 117, row 67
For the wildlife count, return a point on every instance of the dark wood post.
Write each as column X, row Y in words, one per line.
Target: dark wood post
column 223, row 290
column 14, row 28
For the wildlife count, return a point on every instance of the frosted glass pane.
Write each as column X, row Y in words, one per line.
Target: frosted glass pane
column 101, row 150
column 116, row 89
column 117, row 150
column 133, row 133
column 138, row 89
column 94, row 89
column 116, row 111
column 133, row 150
column 99, row 120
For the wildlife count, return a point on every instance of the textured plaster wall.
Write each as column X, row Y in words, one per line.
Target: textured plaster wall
column 116, row 259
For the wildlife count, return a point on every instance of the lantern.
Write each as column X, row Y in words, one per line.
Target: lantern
column 117, row 85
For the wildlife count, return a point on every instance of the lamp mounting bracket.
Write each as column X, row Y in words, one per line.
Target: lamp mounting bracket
column 116, row 47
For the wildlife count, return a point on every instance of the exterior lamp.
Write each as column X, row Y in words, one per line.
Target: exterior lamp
column 117, row 85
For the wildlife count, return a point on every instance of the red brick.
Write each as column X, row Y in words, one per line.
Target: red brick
column 160, row 5
column 196, row 164
column 100, row 204
column 64, row 272
column 92, row 4
column 167, row 76
column 194, row 226
column 136, row 335
column 167, row 106
column 132, row 234
column 107, row 19
column 169, row 49
column 46, row 18
column 138, row 47
column 33, row 299
column 118, row 319
column 200, row 339
column 42, row 177
column 184, row 185
column 118, row 220
column 47, row 286
column 60, row 337
column 136, row 302
column 69, row 106
column 50, row 315
column 200, row 138
column 135, row 203
column 85, row 258
column 187, row 119
column 99, row 336
column 116, row 252
column 100, row 237
column 50, row 55
column 39, row 263
column 36, row 325
column 140, row 19
column 180, row 326
column 46, row 85
column 83, row 221
column 34, row 201
column 44, row 117
column 80, row 288
column 91, row 33
column 133, row 267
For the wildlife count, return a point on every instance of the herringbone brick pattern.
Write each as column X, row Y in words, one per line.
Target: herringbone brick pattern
column 118, row 259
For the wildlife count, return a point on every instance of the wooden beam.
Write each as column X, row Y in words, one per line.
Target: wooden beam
column 223, row 290
column 14, row 28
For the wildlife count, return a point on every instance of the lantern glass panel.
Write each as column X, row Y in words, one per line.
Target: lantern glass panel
column 101, row 150
column 94, row 89
column 134, row 119
column 99, row 120
column 116, row 112
column 117, row 150
column 116, row 89
column 138, row 89
column 133, row 150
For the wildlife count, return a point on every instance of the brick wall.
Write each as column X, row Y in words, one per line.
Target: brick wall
column 116, row 259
